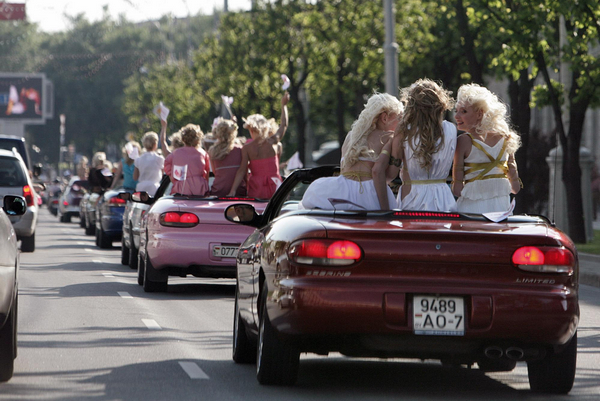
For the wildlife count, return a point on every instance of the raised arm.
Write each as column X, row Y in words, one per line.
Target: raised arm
column 241, row 173
column 284, row 118
column 163, row 138
column 513, row 175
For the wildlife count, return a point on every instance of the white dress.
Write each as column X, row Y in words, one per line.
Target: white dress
column 150, row 165
column 424, row 194
column 489, row 194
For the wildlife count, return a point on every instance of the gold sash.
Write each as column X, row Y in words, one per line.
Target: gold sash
column 487, row 167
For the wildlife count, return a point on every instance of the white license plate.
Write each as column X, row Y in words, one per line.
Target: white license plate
column 438, row 315
column 225, row 251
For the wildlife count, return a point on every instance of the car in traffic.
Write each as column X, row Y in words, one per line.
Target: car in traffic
column 13, row 206
column 15, row 180
column 68, row 204
column 88, row 212
column 454, row 287
column 132, row 220
column 109, row 218
column 184, row 235
column 8, row 142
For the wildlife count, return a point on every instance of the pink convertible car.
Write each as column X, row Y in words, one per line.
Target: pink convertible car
column 183, row 235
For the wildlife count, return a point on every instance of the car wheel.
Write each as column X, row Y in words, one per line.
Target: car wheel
column 277, row 361
column 89, row 229
column 556, row 372
column 8, row 345
column 97, row 235
column 496, row 365
column 154, row 280
column 141, row 268
column 63, row 218
column 244, row 350
column 133, row 256
column 104, row 241
column 124, row 253
column 28, row 243
column 81, row 221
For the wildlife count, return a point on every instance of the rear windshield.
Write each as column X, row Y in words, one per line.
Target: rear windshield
column 8, row 144
column 11, row 173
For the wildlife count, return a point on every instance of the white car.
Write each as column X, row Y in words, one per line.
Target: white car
column 15, row 180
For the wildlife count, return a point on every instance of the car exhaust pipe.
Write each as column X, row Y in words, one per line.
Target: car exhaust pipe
column 515, row 353
column 493, row 352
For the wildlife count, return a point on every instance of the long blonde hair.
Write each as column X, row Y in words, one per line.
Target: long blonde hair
column 260, row 124
column 355, row 144
column 495, row 117
column 225, row 132
column 425, row 102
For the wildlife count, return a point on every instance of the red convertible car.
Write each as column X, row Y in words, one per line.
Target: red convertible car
column 181, row 235
column 453, row 287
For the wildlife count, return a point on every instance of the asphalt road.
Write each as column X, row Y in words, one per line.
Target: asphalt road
column 87, row 331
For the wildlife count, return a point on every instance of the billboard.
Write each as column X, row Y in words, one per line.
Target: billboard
column 12, row 11
column 23, row 97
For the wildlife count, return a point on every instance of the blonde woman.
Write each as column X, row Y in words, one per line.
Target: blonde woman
column 226, row 158
column 485, row 171
column 261, row 155
column 98, row 181
column 189, row 165
column 356, row 188
column 149, row 166
column 425, row 143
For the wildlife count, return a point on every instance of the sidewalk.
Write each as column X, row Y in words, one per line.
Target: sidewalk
column 589, row 265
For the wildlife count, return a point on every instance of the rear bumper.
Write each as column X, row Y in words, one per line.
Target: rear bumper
column 25, row 225
column 379, row 316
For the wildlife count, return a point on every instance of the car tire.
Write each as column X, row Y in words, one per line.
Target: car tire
column 141, row 269
column 104, row 241
column 154, row 280
column 8, row 345
column 63, row 218
column 89, row 229
column 97, row 236
column 496, row 365
column 124, row 253
column 81, row 221
column 28, row 243
column 133, row 256
column 244, row 350
column 555, row 373
column 277, row 361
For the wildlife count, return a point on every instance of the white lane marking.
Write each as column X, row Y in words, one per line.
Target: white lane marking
column 96, row 261
column 124, row 294
column 82, row 243
column 193, row 370
column 89, row 250
column 151, row 324
column 107, row 274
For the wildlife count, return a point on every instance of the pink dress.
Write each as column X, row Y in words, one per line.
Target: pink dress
column 194, row 164
column 225, row 170
column 264, row 177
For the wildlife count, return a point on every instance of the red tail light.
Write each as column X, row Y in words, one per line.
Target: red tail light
column 116, row 201
column 179, row 219
column 28, row 195
column 544, row 259
column 325, row 252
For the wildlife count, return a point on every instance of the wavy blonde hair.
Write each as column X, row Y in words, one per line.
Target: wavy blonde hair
column 355, row 144
column 225, row 132
column 425, row 104
column 191, row 135
column 495, row 117
column 259, row 123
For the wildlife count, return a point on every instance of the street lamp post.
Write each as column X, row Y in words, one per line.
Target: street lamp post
column 390, row 49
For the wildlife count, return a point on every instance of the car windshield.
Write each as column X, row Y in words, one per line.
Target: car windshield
column 11, row 173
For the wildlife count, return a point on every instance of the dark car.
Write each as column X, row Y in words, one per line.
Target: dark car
column 404, row 284
column 132, row 219
column 109, row 218
column 68, row 205
column 9, row 265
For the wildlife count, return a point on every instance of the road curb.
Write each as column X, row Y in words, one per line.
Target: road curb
column 589, row 269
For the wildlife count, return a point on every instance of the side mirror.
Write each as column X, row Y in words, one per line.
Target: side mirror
column 14, row 205
column 141, row 197
column 126, row 196
column 240, row 213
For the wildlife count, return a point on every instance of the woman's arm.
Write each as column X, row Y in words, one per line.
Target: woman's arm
column 117, row 175
column 463, row 144
column 379, row 175
column 241, row 173
column 136, row 174
column 513, row 175
column 163, row 138
column 284, row 118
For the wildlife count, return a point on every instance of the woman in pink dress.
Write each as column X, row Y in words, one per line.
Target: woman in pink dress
column 189, row 166
column 226, row 158
column 261, row 155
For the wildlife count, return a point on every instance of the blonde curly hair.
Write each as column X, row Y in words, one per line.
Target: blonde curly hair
column 225, row 133
column 426, row 102
column 259, row 123
column 495, row 117
column 355, row 144
column 191, row 135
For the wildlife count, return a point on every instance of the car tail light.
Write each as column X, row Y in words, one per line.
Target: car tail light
column 65, row 203
column 28, row 195
column 179, row 219
column 325, row 252
column 544, row 259
column 116, row 202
